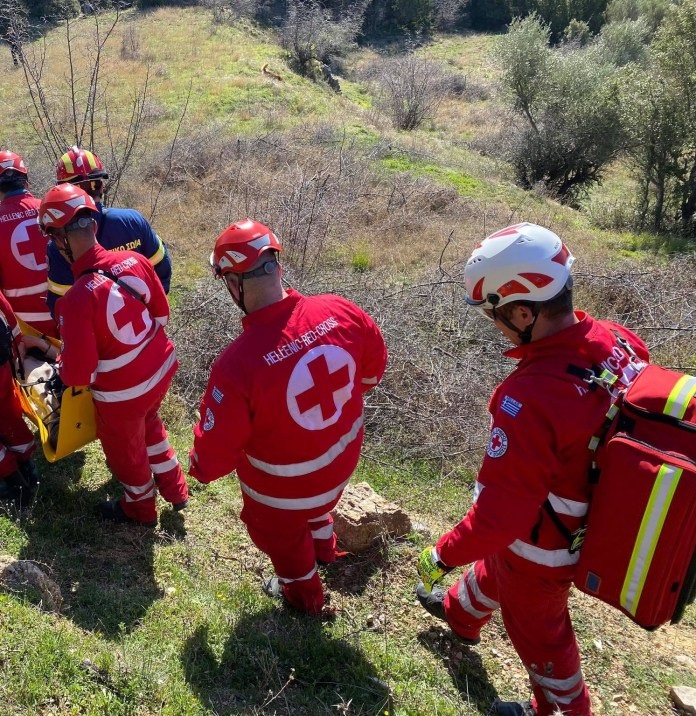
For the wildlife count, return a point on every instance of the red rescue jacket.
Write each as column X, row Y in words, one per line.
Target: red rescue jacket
column 111, row 340
column 543, row 417
column 23, row 266
column 284, row 404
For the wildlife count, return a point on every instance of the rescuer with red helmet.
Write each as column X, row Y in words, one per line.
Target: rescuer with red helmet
column 112, row 328
column 284, row 408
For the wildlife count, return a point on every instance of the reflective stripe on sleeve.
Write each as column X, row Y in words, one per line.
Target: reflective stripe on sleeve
column 564, row 506
column 294, row 503
column 304, row 468
column 557, row 684
column 28, row 291
column 58, row 288
column 680, row 397
column 547, row 557
column 116, row 396
column 158, row 255
column 648, row 535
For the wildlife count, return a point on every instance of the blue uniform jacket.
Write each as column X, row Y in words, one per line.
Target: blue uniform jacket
column 119, row 230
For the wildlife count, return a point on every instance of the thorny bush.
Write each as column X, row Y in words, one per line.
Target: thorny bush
column 444, row 360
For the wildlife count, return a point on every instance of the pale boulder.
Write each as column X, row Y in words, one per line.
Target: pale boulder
column 362, row 517
column 21, row 576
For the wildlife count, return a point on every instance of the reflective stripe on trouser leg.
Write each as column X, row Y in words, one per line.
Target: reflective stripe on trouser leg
column 535, row 614
column 322, row 530
column 470, row 603
column 164, row 464
column 286, row 538
column 122, row 435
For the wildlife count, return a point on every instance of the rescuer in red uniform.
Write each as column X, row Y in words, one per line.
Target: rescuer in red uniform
column 23, row 266
column 112, row 326
column 18, row 476
column 284, row 408
column 543, row 417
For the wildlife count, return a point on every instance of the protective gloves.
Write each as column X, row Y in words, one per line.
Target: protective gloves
column 430, row 568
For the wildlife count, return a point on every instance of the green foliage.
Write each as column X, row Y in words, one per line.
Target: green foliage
column 624, row 42
column 660, row 113
column 413, row 16
column 558, row 14
column 568, row 102
column 578, row 33
column 652, row 12
column 52, row 9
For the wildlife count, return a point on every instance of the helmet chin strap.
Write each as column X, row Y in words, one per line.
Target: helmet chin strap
column 525, row 335
column 239, row 302
column 66, row 248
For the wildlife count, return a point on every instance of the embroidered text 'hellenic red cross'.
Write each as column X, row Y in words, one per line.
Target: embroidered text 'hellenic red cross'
column 325, row 385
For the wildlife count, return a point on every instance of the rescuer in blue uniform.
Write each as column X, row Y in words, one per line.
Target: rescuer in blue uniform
column 117, row 229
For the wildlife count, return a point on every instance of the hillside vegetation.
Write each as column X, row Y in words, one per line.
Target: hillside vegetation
column 172, row 621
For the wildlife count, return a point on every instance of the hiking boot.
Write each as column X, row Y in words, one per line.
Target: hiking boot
column 434, row 603
column 112, row 510
column 273, row 588
column 178, row 506
column 514, row 708
column 17, row 487
column 28, row 469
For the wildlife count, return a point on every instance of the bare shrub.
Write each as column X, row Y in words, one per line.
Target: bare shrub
column 409, row 88
column 227, row 11
column 130, row 43
column 313, row 35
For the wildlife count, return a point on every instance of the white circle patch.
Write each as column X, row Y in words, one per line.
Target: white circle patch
column 124, row 329
column 320, row 385
column 497, row 443
column 22, row 249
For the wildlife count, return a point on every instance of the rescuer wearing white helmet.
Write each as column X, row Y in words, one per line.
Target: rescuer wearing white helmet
column 532, row 489
column 284, row 408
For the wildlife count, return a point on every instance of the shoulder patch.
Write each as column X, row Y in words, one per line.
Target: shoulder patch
column 510, row 406
column 497, row 443
column 217, row 394
column 209, row 423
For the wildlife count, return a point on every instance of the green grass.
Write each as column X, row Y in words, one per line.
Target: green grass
column 463, row 184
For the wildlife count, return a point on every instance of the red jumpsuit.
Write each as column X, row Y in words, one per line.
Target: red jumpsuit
column 116, row 344
column 16, row 440
column 23, row 265
column 542, row 420
column 284, row 408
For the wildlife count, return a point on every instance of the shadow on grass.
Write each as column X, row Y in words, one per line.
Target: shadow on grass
column 104, row 570
column 281, row 662
column 464, row 665
column 352, row 573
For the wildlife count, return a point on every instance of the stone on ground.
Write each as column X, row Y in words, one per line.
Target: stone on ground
column 23, row 576
column 684, row 698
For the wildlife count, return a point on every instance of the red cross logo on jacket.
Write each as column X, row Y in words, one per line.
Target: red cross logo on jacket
column 321, row 383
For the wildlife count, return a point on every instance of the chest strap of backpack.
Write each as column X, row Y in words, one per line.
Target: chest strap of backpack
column 574, row 539
column 120, row 282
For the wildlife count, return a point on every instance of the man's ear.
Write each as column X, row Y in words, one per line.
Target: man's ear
column 524, row 315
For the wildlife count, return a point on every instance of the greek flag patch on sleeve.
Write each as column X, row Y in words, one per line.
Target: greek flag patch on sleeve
column 217, row 394
column 510, row 406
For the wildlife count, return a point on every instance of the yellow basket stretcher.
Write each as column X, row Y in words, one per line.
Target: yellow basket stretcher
column 76, row 423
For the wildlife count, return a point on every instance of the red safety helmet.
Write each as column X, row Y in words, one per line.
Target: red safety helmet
column 240, row 246
column 78, row 165
column 61, row 204
column 11, row 163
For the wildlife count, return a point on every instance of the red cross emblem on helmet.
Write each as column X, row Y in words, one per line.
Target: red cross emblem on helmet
column 320, row 385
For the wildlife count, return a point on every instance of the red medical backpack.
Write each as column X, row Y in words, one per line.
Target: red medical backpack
column 639, row 548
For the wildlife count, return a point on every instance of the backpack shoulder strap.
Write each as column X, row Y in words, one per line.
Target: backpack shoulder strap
column 120, row 282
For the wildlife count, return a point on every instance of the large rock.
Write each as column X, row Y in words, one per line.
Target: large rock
column 362, row 516
column 21, row 575
column 684, row 698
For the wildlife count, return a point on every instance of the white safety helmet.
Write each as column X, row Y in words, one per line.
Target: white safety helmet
column 524, row 262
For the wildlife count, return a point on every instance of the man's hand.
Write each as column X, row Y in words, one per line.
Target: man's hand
column 430, row 568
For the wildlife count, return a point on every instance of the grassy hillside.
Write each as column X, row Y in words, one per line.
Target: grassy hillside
column 172, row 621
